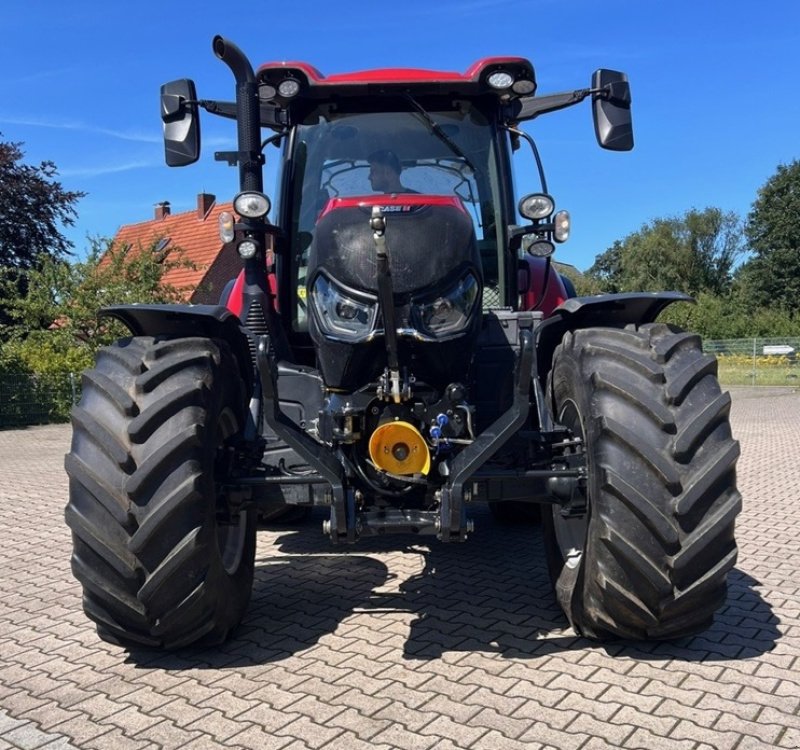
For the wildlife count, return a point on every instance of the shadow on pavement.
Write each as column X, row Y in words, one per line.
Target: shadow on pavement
column 490, row 595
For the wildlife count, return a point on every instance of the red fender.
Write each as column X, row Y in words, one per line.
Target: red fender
column 234, row 301
column 531, row 279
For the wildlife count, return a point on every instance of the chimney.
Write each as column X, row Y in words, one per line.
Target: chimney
column 162, row 209
column 205, row 202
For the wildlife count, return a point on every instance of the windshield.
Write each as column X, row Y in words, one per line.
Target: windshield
column 437, row 153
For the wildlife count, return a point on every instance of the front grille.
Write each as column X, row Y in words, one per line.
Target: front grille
column 491, row 297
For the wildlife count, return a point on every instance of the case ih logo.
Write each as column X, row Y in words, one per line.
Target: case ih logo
column 399, row 209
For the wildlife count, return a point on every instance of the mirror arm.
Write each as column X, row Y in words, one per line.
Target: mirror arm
column 271, row 115
column 528, row 107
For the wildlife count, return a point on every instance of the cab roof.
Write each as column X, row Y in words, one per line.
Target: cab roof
column 311, row 83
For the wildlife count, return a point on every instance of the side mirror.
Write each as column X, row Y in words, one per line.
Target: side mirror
column 611, row 108
column 181, row 123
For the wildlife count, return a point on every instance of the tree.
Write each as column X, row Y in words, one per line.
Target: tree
column 33, row 207
column 693, row 253
column 56, row 329
column 607, row 268
column 772, row 276
column 60, row 312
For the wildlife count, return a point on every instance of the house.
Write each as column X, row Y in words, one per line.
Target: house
column 196, row 233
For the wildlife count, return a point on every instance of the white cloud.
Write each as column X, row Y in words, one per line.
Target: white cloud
column 107, row 169
column 38, row 122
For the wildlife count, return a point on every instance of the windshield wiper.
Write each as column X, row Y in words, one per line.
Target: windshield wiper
column 436, row 129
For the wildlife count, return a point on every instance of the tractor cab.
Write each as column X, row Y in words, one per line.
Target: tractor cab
column 440, row 136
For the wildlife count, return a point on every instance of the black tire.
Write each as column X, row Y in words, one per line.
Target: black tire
column 162, row 560
column 650, row 557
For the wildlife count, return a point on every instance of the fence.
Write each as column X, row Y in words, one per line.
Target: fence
column 37, row 399
column 757, row 361
column 40, row 399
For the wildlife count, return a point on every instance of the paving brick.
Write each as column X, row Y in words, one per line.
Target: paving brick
column 130, row 720
column 399, row 693
column 487, row 698
column 117, row 740
column 643, row 739
column 50, row 715
column 771, row 715
column 506, row 725
column 685, row 730
column 267, row 717
column 494, row 740
column 364, row 704
column 399, row 714
column 541, row 733
column 168, row 736
column 614, row 732
column 275, row 697
column 61, row 743
column 760, row 730
column 81, row 729
column 27, row 737
column 358, row 725
column 636, row 717
column 400, row 672
column 22, row 701
column 312, row 734
column 180, row 711
column 228, row 703
column 318, row 711
column 676, row 694
column 400, row 738
column 256, row 738
column 600, row 709
column 328, row 691
column 445, row 706
column 790, row 738
column 217, row 725
column 462, row 735
column 455, row 690
column 464, row 646
column 755, row 699
column 592, row 690
column 476, row 678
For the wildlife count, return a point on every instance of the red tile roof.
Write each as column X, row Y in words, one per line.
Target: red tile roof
column 197, row 236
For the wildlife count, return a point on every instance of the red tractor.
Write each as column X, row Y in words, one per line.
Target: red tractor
column 397, row 348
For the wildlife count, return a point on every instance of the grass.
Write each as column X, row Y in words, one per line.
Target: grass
column 734, row 370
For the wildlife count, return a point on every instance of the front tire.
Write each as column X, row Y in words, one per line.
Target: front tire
column 164, row 558
column 649, row 556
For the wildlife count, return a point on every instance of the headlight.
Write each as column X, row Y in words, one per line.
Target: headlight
column 288, row 88
column 247, row 249
column 536, row 206
column 500, row 79
column 251, row 204
column 340, row 314
column 450, row 312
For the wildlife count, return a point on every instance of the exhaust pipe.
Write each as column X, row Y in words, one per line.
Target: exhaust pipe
column 248, row 113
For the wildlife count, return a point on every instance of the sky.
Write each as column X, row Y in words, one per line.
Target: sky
column 714, row 88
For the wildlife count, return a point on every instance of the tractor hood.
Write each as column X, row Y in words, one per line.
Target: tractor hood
column 436, row 278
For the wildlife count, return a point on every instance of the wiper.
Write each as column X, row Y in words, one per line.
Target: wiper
column 436, row 129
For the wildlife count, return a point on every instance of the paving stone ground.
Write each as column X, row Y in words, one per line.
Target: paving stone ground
column 396, row 644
